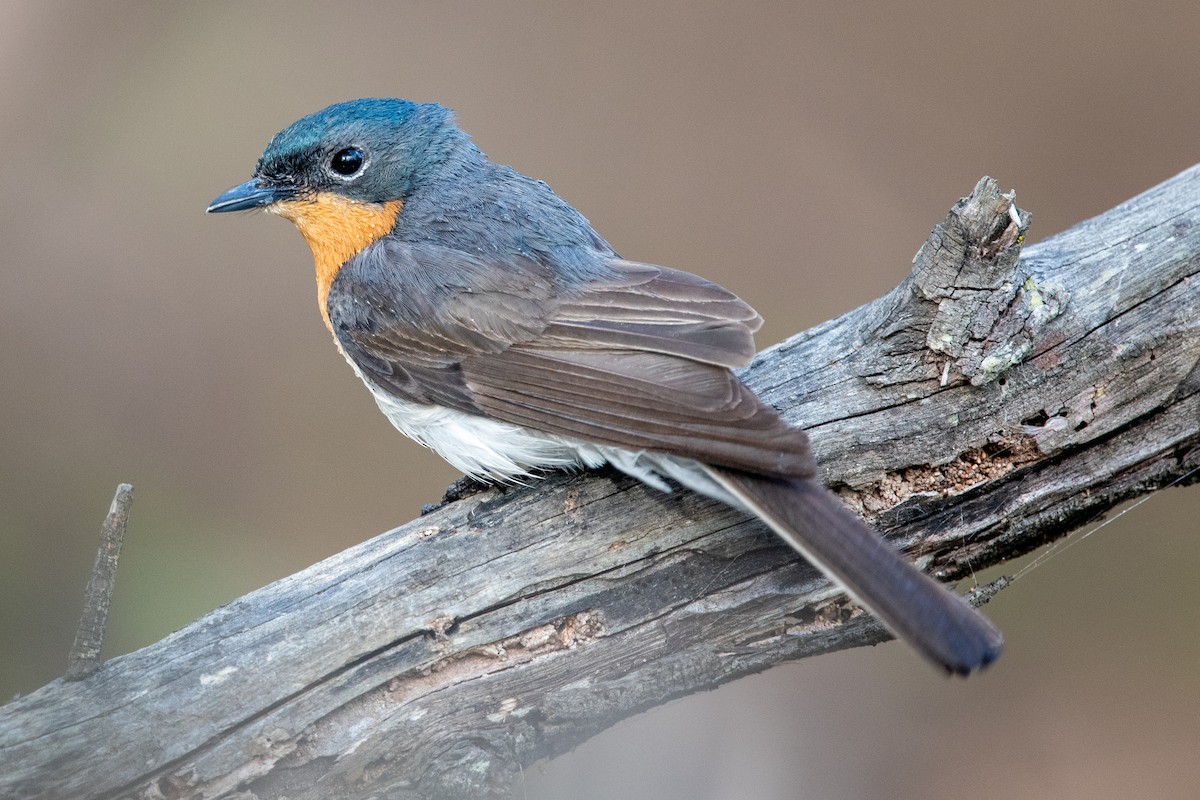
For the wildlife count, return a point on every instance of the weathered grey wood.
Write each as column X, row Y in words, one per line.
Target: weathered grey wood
column 84, row 658
column 988, row 404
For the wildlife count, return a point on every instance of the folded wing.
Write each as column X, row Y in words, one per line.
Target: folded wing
column 636, row 357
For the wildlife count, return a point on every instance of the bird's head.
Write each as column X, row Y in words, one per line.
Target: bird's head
column 342, row 174
column 368, row 151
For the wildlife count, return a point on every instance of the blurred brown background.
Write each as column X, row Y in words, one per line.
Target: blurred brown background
column 798, row 153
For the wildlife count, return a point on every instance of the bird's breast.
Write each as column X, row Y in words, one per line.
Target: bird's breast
column 336, row 229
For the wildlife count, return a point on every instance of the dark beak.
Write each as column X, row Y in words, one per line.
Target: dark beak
column 250, row 194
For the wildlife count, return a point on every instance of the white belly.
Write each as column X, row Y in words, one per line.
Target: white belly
column 500, row 451
column 481, row 447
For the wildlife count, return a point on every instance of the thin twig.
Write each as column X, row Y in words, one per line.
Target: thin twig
column 84, row 658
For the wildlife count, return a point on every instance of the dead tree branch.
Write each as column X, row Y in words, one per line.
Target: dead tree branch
column 990, row 403
column 84, row 658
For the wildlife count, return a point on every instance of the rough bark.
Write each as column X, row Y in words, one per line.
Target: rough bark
column 992, row 402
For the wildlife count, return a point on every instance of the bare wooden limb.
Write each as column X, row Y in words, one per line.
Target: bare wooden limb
column 84, row 658
column 992, row 402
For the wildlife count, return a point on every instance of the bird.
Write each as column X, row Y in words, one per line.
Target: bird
column 494, row 325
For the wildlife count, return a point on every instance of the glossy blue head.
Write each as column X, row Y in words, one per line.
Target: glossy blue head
column 343, row 174
column 371, row 150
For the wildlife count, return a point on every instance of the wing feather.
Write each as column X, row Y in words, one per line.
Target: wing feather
column 664, row 310
column 637, row 357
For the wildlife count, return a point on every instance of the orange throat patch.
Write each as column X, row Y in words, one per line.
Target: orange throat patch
column 336, row 229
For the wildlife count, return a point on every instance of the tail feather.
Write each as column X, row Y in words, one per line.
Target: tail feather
column 917, row 609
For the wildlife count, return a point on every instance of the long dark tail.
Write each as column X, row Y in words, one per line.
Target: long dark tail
column 916, row 608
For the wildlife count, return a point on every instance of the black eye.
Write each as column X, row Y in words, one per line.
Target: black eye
column 347, row 162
